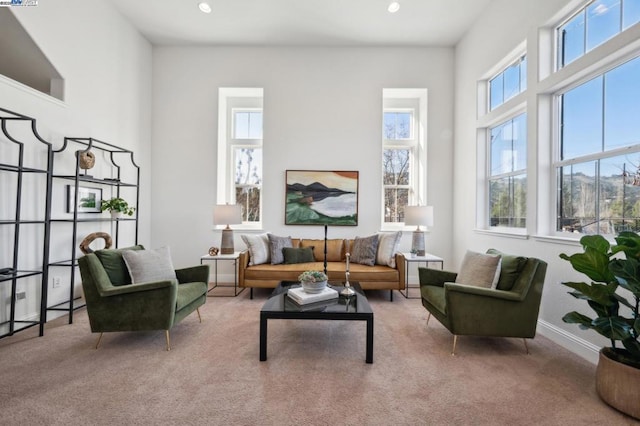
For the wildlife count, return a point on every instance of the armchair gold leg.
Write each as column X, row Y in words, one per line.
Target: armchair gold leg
column 428, row 318
column 526, row 348
column 455, row 340
column 99, row 339
column 166, row 334
column 199, row 317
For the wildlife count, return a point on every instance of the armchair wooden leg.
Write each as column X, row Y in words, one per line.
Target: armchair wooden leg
column 166, row 334
column 455, row 340
column 99, row 339
column 198, row 311
column 428, row 318
column 526, row 348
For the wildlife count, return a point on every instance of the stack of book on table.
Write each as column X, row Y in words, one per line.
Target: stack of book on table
column 298, row 295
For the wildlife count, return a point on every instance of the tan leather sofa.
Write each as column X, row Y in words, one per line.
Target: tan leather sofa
column 376, row 277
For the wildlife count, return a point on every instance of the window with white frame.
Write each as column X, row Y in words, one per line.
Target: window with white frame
column 592, row 25
column 240, row 144
column 508, row 83
column 507, row 180
column 598, row 158
column 403, row 153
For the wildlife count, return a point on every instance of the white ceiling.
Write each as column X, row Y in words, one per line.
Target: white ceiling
column 303, row 22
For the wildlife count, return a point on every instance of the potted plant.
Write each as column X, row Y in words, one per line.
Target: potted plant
column 313, row 281
column 614, row 296
column 117, row 206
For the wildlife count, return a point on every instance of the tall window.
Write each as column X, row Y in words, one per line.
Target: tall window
column 403, row 152
column 598, row 163
column 508, row 83
column 240, row 145
column 594, row 24
column 508, row 173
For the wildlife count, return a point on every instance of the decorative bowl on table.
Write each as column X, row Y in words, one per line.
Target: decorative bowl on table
column 313, row 281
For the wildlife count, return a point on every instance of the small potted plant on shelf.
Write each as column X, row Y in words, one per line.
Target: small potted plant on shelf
column 613, row 280
column 117, row 206
column 313, row 281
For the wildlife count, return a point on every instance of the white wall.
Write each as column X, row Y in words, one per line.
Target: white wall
column 106, row 65
column 499, row 30
column 322, row 110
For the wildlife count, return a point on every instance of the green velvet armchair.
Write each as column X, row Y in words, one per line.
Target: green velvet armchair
column 510, row 310
column 114, row 304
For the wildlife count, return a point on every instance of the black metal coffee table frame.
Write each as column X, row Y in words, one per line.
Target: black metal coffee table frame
column 274, row 308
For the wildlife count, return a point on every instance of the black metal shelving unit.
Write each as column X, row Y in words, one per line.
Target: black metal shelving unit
column 114, row 155
column 15, row 148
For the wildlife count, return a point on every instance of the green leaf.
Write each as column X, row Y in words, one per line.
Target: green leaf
column 615, row 328
column 577, row 318
column 627, row 273
column 595, row 242
column 599, row 293
column 592, row 263
column 632, row 346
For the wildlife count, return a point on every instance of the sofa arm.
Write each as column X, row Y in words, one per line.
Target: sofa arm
column 199, row 273
column 435, row 277
column 482, row 291
column 137, row 288
column 243, row 262
column 402, row 269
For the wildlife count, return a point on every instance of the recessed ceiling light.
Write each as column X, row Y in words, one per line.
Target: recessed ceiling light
column 204, row 7
column 394, row 6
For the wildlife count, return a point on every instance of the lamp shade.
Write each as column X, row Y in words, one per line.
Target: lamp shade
column 418, row 215
column 227, row 214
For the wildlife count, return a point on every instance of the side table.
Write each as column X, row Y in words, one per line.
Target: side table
column 224, row 257
column 410, row 258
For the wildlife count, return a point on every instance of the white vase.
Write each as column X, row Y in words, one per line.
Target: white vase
column 313, row 287
column 115, row 215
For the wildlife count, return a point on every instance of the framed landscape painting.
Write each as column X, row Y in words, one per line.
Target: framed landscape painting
column 317, row 197
column 89, row 199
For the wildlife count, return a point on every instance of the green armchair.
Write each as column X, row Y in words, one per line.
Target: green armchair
column 510, row 310
column 114, row 304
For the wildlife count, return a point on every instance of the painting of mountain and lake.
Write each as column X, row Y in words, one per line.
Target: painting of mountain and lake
column 316, row 197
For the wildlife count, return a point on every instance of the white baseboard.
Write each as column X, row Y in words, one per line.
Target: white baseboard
column 581, row 347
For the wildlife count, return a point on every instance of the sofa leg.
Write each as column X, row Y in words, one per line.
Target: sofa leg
column 526, row 347
column 428, row 318
column 251, row 293
column 390, row 295
column 199, row 317
column 455, row 340
column 166, row 335
column 99, row 339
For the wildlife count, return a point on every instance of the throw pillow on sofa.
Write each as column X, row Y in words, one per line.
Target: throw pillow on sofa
column 276, row 244
column 510, row 268
column 388, row 243
column 480, row 270
column 297, row 255
column 149, row 265
column 364, row 250
column 258, row 246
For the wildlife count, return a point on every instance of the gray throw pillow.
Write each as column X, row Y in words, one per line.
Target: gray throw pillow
column 364, row 250
column 480, row 270
column 149, row 265
column 298, row 255
column 276, row 244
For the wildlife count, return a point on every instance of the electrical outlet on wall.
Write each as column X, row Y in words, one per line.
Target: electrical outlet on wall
column 56, row 282
column 21, row 295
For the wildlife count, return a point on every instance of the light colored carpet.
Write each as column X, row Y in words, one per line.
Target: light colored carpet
column 315, row 374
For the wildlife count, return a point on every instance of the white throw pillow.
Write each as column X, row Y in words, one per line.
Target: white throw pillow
column 388, row 243
column 258, row 246
column 478, row 269
column 149, row 265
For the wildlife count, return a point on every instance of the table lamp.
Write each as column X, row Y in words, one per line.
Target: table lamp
column 227, row 214
column 418, row 215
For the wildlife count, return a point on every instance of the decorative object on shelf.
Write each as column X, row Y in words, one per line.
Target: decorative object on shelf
column 89, row 199
column 84, row 245
column 618, row 371
column 213, row 251
column 313, row 281
column 414, row 252
column 347, row 291
column 418, row 215
column 117, row 206
column 315, row 197
column 86, row 160
column 227, row 214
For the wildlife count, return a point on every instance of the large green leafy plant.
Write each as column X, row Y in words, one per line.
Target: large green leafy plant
column 609, row 274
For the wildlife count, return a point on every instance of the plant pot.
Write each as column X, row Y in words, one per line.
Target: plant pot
column 618, row 384
column 116, row 215
column 313, row 287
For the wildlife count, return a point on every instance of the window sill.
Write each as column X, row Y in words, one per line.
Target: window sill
column 506, row 233
column 557, row 240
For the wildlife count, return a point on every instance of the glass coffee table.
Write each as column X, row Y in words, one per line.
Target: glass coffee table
column 352, row 308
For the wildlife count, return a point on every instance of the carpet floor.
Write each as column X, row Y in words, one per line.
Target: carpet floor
column 315, row 374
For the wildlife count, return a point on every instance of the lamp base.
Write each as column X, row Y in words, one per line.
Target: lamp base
column 417, row 243
column 226, row 245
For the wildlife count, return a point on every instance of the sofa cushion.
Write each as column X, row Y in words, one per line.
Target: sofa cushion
column 276, row 244
column 481, row 270
column 149, row 265
column 114, row 265
column 388, row 243
column 363, row 250
column 510, row 268
column 298, row 255
column 335, row 249
column 258, row 246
